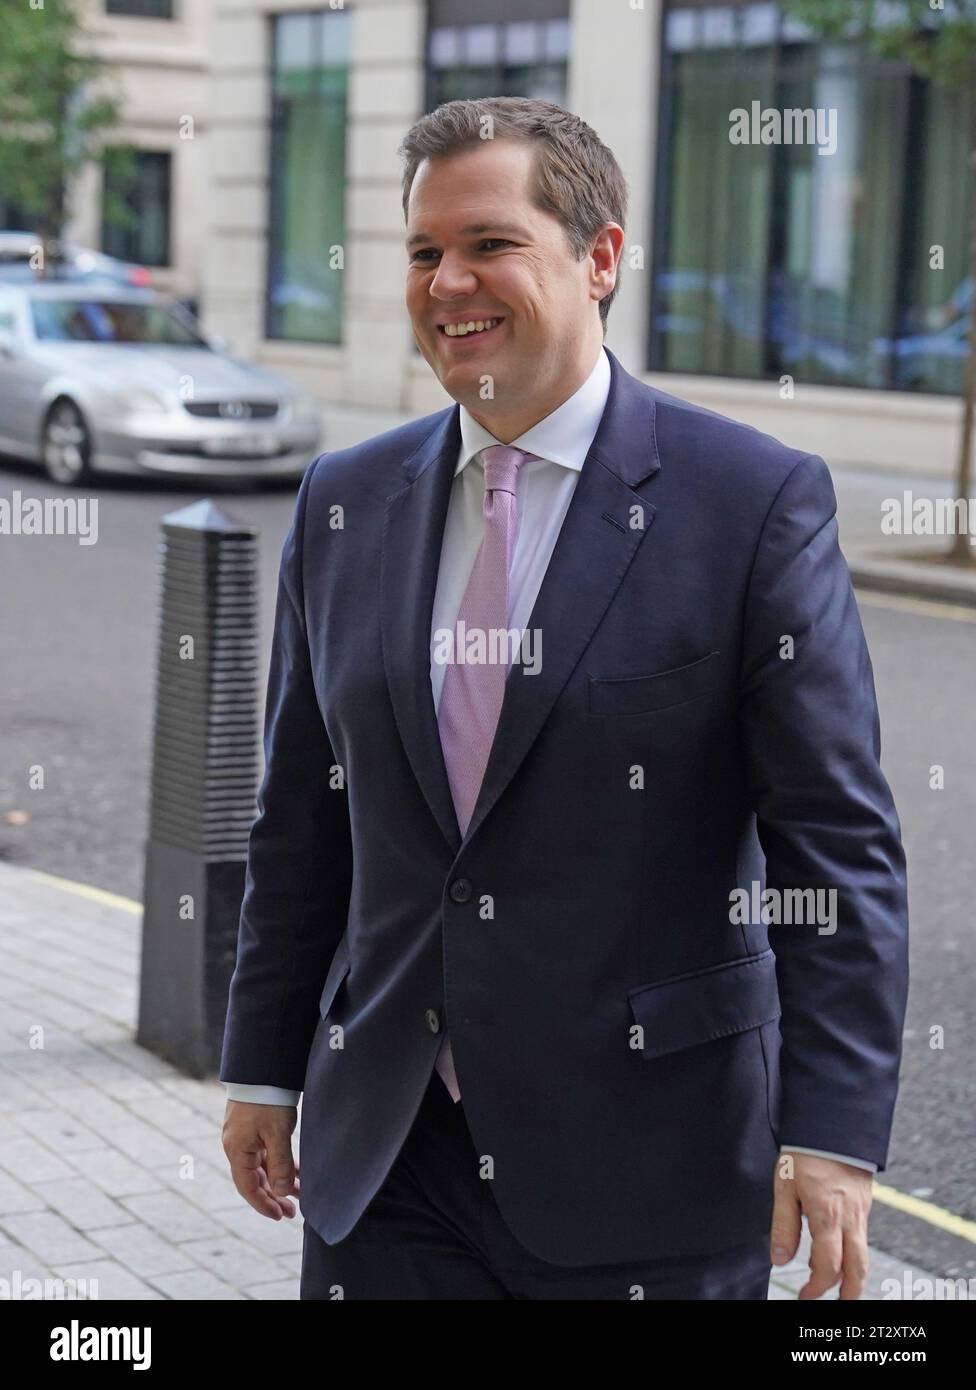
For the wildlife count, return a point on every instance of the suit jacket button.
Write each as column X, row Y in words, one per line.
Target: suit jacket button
column 433, row 1022
column 460, row 890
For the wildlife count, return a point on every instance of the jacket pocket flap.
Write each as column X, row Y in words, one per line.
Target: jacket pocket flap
column 706, row 1004
column 659, row 690
column 338, row 971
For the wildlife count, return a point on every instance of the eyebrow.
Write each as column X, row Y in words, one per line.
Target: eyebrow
column 472, row 229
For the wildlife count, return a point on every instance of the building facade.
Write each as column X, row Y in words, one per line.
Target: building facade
column 157, row 55
column 809, row 278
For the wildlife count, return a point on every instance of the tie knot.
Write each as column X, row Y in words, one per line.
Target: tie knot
column 501, row 464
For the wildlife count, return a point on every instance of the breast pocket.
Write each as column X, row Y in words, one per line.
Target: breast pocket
column 658, row 690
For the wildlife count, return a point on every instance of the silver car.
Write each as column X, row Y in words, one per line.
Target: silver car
column 113, row 380
column 19, row 249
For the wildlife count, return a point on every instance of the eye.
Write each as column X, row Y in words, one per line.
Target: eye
column 487, row 242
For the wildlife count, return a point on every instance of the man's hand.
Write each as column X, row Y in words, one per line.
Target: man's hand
column 835, row 1198
column 257, row 1142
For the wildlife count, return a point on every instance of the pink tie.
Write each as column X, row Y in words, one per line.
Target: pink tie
column 472, row 693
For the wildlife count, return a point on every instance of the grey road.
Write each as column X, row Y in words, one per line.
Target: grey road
column 77, row 661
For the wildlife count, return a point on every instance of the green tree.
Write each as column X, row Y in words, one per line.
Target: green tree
column 937, row 39
column 55, row 111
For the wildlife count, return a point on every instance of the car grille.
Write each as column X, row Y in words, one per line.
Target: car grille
column 233, row 410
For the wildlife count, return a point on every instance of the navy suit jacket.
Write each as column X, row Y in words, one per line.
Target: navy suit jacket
column 629, row 1053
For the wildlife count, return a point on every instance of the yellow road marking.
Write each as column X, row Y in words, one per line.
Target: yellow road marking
column 925, row 1211
column 85, row 890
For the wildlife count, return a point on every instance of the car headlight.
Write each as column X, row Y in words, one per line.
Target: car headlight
column 138, row 398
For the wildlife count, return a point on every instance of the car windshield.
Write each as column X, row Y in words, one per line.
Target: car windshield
column 109, row 321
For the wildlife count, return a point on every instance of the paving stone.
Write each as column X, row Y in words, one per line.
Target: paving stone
column 279, row 1238
column 284, row 1289
column 58, row 1131
column 25, row 1156
column 17, row 1095
column 169, row 1114
column 138, row 1058
column 197, row 1285
column 49, row 1236
column 113, row 1173
column 39, row 1069
column 116, row 1080
column 143, row 1143
column 110, row 1280
column 97, row 1110
column 15, row 1197
column 234, row 1261
column 17, row 1265
column 210, row 1189
column 79, row 1202
column 142, row 1250
column 105, row 1031
column 173, row 1216
column 209, row 1097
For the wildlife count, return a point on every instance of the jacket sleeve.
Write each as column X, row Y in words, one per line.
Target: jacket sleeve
column 826, row 820
column 299, row 860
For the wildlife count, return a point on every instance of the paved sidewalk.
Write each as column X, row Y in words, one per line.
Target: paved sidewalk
column 112, row 1166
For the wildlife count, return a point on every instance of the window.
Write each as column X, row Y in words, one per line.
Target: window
column 308, row 167
column 144, row 191
column 110, row 321
column 13, row 219
column 775, row 259
column 510, row 50
column 142, row 9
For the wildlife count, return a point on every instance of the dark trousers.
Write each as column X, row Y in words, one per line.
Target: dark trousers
column 434, row 1231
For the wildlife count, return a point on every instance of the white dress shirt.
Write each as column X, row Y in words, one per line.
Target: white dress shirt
column 544, row 490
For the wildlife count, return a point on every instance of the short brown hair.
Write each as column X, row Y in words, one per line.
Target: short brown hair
column 577, row 178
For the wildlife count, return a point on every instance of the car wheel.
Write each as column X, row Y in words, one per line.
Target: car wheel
column 66, row 445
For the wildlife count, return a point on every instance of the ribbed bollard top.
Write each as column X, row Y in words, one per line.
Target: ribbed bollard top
column 206, row 750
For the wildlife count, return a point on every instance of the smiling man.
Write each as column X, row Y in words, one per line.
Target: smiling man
column 491, row 296
column 486, row 925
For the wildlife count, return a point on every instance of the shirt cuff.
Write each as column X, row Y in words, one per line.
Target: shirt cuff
column 261, row 1095
column 822, row 1153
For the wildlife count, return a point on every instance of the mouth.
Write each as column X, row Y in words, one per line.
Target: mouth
column 471, row 331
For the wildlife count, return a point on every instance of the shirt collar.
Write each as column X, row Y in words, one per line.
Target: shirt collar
column 563, row 437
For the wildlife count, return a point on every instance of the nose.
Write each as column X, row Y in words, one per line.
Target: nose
column 453, row 278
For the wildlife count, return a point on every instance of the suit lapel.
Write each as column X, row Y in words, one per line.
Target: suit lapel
column 412, row 535
column 595, row 547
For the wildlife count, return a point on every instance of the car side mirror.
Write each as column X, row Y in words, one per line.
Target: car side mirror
column 8, row 344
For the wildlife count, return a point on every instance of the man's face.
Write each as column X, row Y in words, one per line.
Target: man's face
column 480, row 251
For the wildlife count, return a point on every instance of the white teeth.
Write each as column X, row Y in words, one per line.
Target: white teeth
column 458, row 330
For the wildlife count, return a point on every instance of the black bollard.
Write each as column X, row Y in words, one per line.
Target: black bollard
column 205, row 775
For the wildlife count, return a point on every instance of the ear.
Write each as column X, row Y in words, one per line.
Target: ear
column 605, row 255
